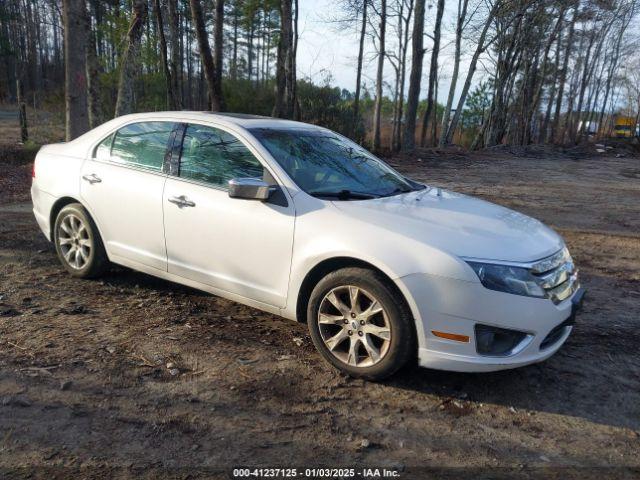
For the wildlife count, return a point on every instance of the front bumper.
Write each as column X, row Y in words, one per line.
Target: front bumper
column 447, row 305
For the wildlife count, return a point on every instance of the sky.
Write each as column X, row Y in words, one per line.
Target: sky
column 326, row 49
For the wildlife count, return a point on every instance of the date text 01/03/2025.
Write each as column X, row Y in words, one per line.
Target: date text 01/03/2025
column 343, row 473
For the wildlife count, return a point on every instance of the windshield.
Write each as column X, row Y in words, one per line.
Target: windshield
column 325, row 164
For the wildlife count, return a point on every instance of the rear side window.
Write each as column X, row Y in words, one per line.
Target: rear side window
column 214, row 156
column 142, row 144
column 103, row 150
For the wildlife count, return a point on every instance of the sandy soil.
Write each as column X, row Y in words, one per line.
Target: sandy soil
column 132, row 377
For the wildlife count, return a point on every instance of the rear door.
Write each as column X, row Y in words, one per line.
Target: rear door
column 236, row 245
column 122, row 188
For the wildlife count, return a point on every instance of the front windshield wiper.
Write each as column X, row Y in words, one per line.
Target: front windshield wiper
column 344, row 195
column 400, row 191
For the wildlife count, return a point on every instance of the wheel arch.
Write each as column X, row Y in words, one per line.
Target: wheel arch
column 58, row 205
column 326, row 266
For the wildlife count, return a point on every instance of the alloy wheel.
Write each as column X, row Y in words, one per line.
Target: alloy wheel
column 74, row 241
column 354, row 326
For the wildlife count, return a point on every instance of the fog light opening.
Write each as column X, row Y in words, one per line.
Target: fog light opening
column 499, row 342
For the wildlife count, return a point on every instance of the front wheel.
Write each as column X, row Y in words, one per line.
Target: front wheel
column 78, row 243
column 360, row 324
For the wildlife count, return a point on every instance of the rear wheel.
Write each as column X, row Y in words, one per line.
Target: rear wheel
column 78, row 242
column 360, row 324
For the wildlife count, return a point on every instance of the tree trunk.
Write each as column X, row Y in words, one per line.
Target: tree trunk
column 356, row 100
column 614, row 65
column 544, row 134
column 218, row 59
column 539, row 83
column 377, row 112
column 171, row 102
column 75, row 44
column 215, row 101
column 293, row 95
column 403, row 74
column 22, row 113
column 586, row 78
column 415, row 76
column 433, row 73
column 472, row 69
column 176, row 79
column 93, row 91
column 285, row 75
column 131, row 59
column 234, row 57
column 563, row 77
column 462, row 14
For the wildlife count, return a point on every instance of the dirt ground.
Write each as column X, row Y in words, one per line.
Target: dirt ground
column 133, row 377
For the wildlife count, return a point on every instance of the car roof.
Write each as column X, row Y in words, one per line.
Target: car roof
column 243, row 120
column 237, row 121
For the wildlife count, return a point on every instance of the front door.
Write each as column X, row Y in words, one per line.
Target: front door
column 239, row 246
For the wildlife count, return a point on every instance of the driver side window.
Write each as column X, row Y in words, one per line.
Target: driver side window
column 214, row 156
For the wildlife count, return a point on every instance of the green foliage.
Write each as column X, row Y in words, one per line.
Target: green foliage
column 152, row 90
column 328, row 106
column 245, row 96
column 477, row 105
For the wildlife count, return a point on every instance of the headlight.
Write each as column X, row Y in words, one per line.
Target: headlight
column 504, row 278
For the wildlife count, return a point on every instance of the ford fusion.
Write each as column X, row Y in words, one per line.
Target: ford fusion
column 299, row 221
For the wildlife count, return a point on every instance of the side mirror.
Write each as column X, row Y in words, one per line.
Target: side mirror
column 250, row 189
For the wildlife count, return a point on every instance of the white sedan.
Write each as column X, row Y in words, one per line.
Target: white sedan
column 299, row 221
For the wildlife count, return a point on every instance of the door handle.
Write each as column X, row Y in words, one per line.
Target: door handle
column 93, row 178
column 182, row 201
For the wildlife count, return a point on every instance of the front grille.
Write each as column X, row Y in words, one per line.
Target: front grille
column 557, row 275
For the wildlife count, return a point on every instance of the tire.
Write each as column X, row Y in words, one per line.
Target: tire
column 351, row 346
column 78, row 243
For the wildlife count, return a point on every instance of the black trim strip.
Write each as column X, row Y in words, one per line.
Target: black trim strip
column 172, row 157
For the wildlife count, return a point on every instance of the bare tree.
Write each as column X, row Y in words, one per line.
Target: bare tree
column 481, row 47
column 544, row 130
column 93, row 92
column 596, row 39
column 356, row 99
column 214, row 90
column 131, row 58
column 218, row 60
column 415, row 77
column 433, row 75
column 398, row 59
column 615, row 58
column 565, row 69
column 462, row 15
column 171, row 95
column 174, row 44
column 377, row 109
column 75, row 44
column 285, row 65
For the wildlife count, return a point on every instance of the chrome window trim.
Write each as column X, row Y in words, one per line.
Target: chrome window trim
column 133, row 166
column 130, row 166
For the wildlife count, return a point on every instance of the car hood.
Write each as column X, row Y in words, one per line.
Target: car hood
column 458, row 224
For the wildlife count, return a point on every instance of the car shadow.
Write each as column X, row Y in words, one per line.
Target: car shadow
column 583, row 379
column 594, row 387
column 125, row 278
